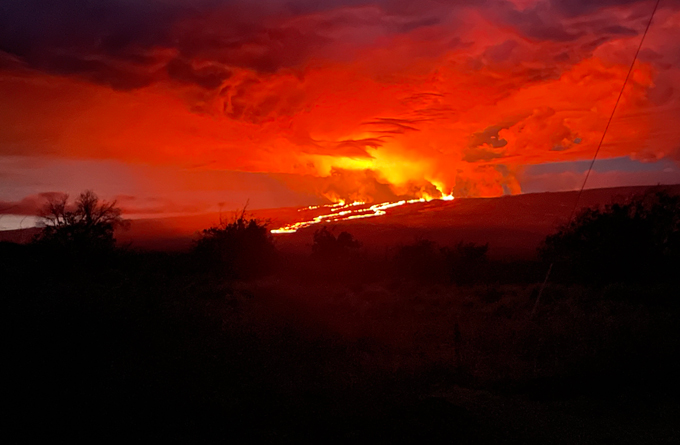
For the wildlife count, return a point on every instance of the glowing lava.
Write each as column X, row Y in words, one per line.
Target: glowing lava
column 344, row 212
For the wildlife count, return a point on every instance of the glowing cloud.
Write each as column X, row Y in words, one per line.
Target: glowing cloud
column 373, row 102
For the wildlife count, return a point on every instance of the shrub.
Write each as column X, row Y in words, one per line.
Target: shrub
column 327, row 246
column 242, row 248
column 636, row 241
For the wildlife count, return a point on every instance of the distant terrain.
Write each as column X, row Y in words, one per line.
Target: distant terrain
column 512, row 225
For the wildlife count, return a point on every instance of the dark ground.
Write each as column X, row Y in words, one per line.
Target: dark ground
column 147, row 347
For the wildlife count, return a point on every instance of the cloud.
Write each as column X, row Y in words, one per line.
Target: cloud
column 354, row 98
column 209, row 76
column 359, row 185
column 145, row 206
column 30, row 205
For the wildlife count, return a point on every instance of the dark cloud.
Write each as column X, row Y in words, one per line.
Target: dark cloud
column 619, row 30
column 410, row 25
column 501, row 52
column 30, row 205
column 116, row 42
column 581, row 7
column 134, row 205
column 209, row 77
column 567, row 21
column 481, row 154
column 120, row 43
column 489, row 136
column 538, row 23
column 254, row 100
column 257, row 46
column 391, row 125
column 357, row 148
column 108, row 42
column 98, row 71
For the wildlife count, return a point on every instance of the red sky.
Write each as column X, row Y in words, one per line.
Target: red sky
column 178, row 106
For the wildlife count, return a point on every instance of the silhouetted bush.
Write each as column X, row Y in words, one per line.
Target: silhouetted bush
column 86, row 225
column 242, row 248
column 637, row 241
column 329, row 247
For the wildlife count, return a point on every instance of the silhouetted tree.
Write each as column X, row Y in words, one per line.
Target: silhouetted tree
column 86, row 224
column 638, row 240
column 328, row 246
column 242, row 248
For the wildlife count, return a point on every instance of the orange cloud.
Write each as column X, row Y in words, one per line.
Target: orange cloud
column 363, row 102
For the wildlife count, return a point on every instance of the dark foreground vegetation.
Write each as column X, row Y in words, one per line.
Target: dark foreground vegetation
column 236, row 341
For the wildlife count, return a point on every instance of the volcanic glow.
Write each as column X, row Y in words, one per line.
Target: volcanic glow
column 355, row 210
column 191, row 106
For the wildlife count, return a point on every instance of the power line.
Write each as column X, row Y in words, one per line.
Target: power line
column 611, row 116
column 599, row 146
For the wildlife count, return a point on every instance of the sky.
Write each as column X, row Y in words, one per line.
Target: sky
column 179, row 107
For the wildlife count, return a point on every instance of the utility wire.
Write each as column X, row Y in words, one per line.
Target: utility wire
column 599, row 146
column 616, row 104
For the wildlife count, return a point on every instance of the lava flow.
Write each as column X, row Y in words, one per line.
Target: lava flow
column 344, row 212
